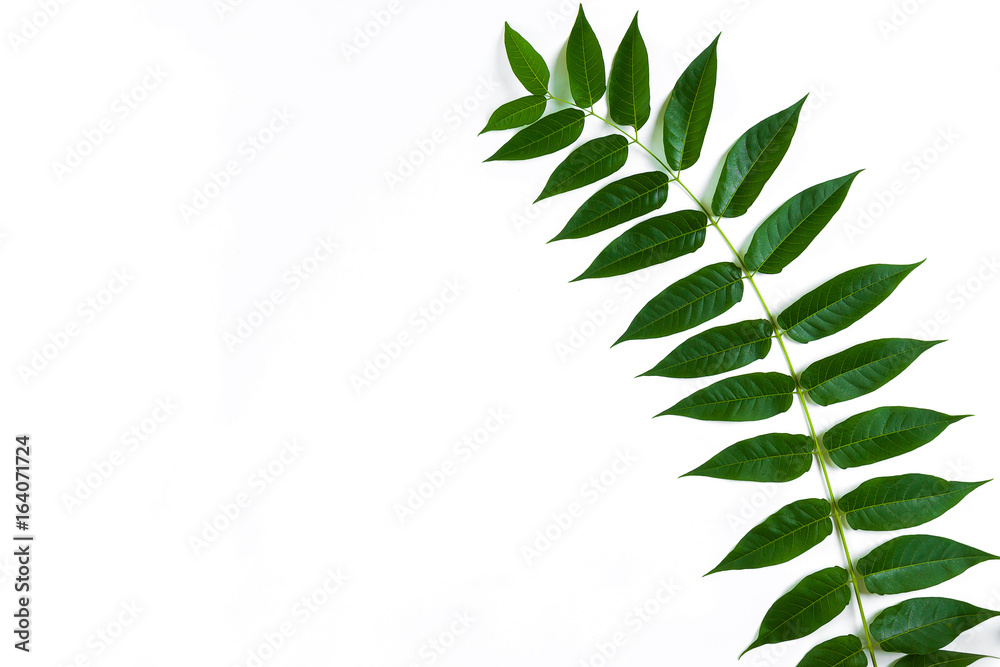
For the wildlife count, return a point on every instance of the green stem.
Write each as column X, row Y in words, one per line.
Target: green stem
column 818, row 448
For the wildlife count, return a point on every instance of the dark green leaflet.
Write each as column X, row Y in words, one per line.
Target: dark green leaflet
column 841, row 301
column 844, row 651
column 882, row 433
column 717, row 350
column 861, row 369
column 753, row 160
column 922, row 625
column 628, row 83
column 740, row 398
column 529, row 67
column 584, row 63
column 913, row 562
column 811, row 604
column 774, row 457
column 689, row 109
column 790, row 532
column 939, row 659
column 615, row 203
column 653, row 241
column 592, row 161
column 702, row 296
column 517, row 113
column 904, row 501
column 787, row 232
column 550, row 134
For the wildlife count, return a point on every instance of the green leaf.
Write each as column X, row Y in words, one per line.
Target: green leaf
column 740, row 398
column 516, row 113
column 615, row 203
column 705, row 294
column 841, row 301
column 592, row 161
column 584, row 63
column 774, row 457
column 922, row 625
column 717, row 350
column 912, row 562
column 861, row 369
column 790, row 532
column 529, row 67
column 883, row 433
column 689, row 108
column 845, row 651
column 628, row 84
column 787, row 232
column 753, row 160
column 939, row 659
column 552, row 133
column 650, row 242
column 811, row 604
column 904, row 501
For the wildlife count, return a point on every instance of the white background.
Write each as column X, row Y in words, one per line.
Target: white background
column 882, row 95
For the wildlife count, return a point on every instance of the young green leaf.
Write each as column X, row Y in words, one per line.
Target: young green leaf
column 516, row 113
column 592, row 161
column 529, row 67
column 774, row 457
column 740, row 398
column 788, row 533
column 653, row 241
column 922, row 625
column 752, row 161
column 584, row 63
column 702, row 296
column 689, row 108
column 628, row 83
column 844, row 651
column 717, row 350
column 548, row 135
column 883, row 433
column 841, row 301
column 861, row 369
column 811, row 604
column 615, row 203
column 903, row 501
column 939, row 659
column 787, row 232
column 913, row 562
